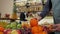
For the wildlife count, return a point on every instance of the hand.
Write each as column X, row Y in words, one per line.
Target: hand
column 57, row 27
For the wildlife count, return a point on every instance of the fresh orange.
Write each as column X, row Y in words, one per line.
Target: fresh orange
column 33, row 22
column 37, row 29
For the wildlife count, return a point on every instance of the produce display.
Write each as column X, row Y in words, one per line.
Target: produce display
column 25, row 28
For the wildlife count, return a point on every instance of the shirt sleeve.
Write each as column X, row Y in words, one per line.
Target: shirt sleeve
column 46, row 8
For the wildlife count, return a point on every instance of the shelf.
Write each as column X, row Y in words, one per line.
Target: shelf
column 7, row 19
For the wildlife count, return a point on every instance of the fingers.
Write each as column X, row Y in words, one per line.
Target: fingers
column 56, row 27
column 57, row 24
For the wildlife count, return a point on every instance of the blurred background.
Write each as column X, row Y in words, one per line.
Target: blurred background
column 12, row 10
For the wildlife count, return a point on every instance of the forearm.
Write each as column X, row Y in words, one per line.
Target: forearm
column 46, row 9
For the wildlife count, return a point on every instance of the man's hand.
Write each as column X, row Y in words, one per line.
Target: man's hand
column 57, row 27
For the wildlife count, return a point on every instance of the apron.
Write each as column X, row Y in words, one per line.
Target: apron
column 56, row 12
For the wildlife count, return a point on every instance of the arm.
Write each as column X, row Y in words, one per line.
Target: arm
column 46, row 9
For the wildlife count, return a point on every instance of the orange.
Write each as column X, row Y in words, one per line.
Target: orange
column 1, row 29
column 37, row 29
column 33, row 22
